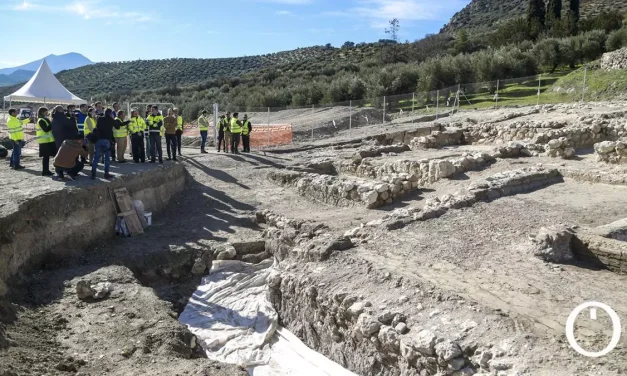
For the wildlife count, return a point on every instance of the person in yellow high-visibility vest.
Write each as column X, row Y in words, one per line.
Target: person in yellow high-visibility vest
column 45, row 139
column 154, row 121
column 236, row 132
column 120, row 133
column 247, row 127
column 16, row 134
column 90, row 125
column 203, row 126
column 179, row 128
column 136, row 129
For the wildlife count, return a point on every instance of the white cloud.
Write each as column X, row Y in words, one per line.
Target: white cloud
column 285, row 13
column 24, row 6
column 86, row 9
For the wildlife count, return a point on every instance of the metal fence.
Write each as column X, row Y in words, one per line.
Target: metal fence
column 274, row 126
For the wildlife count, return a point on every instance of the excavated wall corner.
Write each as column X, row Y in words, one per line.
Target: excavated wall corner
column 67, row 221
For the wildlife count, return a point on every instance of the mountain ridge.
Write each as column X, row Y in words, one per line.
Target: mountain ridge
column 57, row 63
column 486, row 15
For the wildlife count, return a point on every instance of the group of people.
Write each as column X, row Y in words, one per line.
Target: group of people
column 92, row 134
column 230, row 130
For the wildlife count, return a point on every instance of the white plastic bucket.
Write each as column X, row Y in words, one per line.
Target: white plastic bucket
column 148, row 216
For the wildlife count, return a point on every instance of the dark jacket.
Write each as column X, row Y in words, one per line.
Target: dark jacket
column 105, row 127
column 63, row 128
column 45, row 125
column 68, row 153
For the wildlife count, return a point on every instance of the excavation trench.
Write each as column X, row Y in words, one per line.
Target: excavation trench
column 41, row 277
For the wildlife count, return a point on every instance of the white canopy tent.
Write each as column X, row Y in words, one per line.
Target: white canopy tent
column 43, row 87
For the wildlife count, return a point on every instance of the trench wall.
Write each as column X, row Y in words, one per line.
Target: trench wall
column 66, row 222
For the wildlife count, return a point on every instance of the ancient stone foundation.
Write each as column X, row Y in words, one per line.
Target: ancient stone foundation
column 343, row 191
column 583, row 133
column 611, row 152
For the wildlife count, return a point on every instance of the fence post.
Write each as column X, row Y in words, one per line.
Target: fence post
column 539, row 85
column 585, row 75
column 459, row 97
column 437, row 104
column 497, row 92
column 350, row 115
column 383, row 109
column 268, row 130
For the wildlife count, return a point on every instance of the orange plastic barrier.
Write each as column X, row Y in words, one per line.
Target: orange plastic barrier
column 274, row 135
column 261, row 136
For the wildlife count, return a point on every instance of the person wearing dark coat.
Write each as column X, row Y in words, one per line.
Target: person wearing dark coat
column 104, row 143
column 47, row 146
column 62, row 127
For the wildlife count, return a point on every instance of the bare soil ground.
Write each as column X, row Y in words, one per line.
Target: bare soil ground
column 472, row 265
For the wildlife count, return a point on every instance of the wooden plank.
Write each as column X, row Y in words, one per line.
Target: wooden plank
column 128, row 211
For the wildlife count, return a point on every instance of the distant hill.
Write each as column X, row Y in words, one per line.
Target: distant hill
column 486, row 14
column 18, row 76
column 123, row 77
column 57, row 63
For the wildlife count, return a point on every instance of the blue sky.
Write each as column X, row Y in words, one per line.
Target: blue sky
column 116, row 30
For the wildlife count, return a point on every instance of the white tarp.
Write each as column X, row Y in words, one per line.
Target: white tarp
column 44, row 87
column 233, row 318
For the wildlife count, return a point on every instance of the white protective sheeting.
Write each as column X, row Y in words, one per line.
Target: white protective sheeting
column 44, row 87
column 235, row 322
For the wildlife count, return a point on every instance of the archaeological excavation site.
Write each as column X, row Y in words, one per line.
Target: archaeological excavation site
column 455, row 246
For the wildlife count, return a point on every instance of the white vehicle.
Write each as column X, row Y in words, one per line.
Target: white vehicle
column 25, row 113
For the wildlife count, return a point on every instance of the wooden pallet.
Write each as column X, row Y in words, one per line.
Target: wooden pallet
column 126, row 209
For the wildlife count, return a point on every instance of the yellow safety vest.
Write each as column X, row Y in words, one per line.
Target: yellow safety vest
column 16, row 131
column 245, row 128
column 203, row 123
column 179, row 123
column 122, row 132
column 90, row 122
column 153, row 120
column 235, row 128
column 43, row 137
column 137, row 125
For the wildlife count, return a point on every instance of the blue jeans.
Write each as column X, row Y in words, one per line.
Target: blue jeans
column 203, row 138
column 16, row 153
column 102, row 147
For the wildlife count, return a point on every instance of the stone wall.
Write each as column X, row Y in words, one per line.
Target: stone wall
column 583, row 133
column 438, row 139
column 345, row 327
column 405, row 137
column 77, row 218
column 423, row 172
column 611, row 151
column 600, row 251
column 365, row 339
column 499, row 185
column 614, row 60
column 343, row 191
